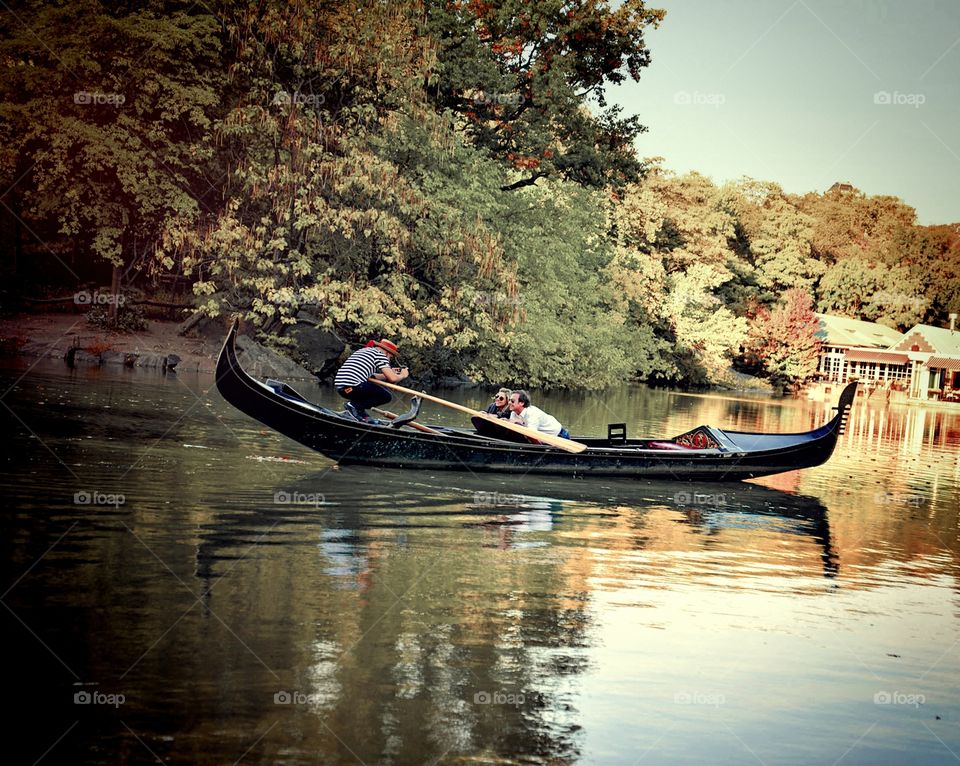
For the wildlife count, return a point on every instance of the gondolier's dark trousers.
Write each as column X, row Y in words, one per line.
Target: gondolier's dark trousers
column 365, row 395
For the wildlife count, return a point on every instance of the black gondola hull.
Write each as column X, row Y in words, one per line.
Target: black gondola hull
column 347, row 441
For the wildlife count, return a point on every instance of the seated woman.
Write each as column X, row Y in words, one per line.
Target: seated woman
column 501, row 404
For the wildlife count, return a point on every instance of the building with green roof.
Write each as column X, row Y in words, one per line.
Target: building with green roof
column 924, row 362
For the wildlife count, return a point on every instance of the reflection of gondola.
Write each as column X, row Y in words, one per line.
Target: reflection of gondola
column 713, row 508
column 406, row 502
column 705, row 453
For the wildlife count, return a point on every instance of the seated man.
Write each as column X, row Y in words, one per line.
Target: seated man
column 526, row 414
column 501, row 404
column 372, row 361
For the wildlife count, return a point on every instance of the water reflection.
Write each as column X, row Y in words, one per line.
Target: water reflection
column 464, row 605
column 257, row 609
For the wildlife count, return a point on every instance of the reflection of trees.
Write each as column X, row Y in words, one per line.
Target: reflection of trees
column 463, row 661
column 891, row 487
column 390, row 677
column 421, row 602
column 409, row 634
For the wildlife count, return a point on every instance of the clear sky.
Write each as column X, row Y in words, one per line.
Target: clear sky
column 806, row 93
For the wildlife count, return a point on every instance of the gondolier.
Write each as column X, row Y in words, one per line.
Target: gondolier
column 372, row 361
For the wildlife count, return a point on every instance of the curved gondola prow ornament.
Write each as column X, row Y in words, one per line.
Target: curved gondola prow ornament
column 844, row 405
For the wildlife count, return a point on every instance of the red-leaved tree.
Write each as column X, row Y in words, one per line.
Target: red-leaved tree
column 783, row 341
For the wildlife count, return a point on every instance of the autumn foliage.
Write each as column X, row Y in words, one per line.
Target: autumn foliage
column 445, row 172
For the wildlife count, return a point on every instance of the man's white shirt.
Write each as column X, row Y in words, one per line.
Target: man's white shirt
column 538, row 420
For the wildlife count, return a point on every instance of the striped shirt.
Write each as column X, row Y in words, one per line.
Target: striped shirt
column 361, row 365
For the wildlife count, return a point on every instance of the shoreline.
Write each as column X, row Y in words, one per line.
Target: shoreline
column 53, row 335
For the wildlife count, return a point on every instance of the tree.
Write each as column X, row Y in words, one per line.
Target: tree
column 572, row 330
column 778, row 237
column 848, row 223
column 873, row 292
column 706, row 332
column 784, row 339
column 107, row 137
column 343, row 202
column 927, row 262
column 522, row 74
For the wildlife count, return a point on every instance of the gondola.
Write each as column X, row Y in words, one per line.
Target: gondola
column 702, row 454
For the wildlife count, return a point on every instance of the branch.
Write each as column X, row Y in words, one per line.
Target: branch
column 523, row 182
column 160, row 304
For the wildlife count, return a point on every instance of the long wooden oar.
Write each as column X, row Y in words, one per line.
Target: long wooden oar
column 554, row 441
column 393, row 416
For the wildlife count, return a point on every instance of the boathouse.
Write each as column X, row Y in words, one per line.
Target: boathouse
column 919, row 365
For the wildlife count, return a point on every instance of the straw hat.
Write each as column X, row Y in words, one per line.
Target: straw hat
column 386, row 345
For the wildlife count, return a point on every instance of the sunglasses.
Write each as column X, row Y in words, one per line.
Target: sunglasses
column 500, row 398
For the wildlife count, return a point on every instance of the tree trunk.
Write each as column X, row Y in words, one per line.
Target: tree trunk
column 114, row 293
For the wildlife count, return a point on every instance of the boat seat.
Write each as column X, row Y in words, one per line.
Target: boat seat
column 616, row 434
column 411, row 414
column 283, row 389
column 287, row 392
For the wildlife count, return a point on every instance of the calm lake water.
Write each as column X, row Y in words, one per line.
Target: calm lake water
column 183, row 586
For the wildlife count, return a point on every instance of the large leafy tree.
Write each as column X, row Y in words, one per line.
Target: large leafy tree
column 353, row 200
column 522, row 74
column 927, row 263
column 874, row 292
column 568, row 335
column 706, row 333
column 847, row 223
column 329, row 213
column 671, row 265
column 105, row 113
column 778, row 237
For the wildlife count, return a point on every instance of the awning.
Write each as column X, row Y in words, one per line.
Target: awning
column 944, row 362
column 875, row 355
